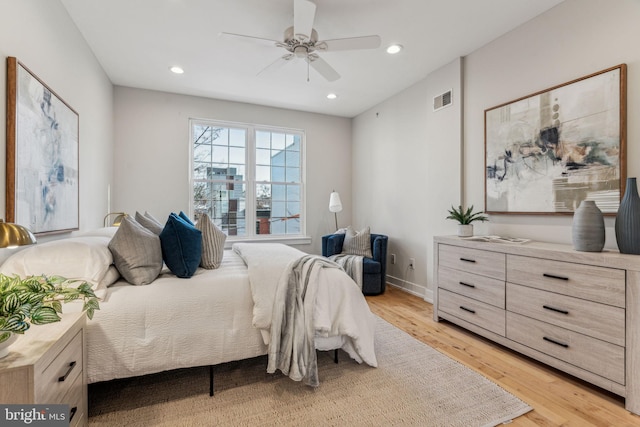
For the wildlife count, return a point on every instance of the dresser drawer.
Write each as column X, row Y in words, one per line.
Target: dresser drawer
column 55, row 381
column 485, row 263
column 481, row 288
column 600, row 284
column 601, row 358
column 484, row 315
column 600, row 321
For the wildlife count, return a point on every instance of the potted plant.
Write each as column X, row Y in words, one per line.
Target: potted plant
column 37, row 300
column 465, row 219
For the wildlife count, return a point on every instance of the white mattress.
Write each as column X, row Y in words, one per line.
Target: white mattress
column 174, row 323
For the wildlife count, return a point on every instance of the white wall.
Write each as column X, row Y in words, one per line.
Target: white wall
column 152, row 153
column 574, row 39
column 401, row 155
column 407, row 172
column 41, row 35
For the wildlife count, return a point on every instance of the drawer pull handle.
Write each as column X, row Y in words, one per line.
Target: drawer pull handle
column 551, row 340
column 467, row 285
column 557, row 310
column 462, row 307
column 72, row 412
column 467, row 260
column 64, row 377
column 553, row 276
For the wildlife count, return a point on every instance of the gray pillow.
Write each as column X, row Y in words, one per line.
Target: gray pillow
column 149, row 222
column 357, row 242
column 136, row 252
column 212, row 243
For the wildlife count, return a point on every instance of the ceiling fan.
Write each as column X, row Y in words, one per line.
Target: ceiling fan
column 301, row 41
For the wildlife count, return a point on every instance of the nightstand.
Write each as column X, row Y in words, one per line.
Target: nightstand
column 46, row 365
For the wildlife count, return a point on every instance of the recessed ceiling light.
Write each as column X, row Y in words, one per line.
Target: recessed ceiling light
column 176, row 69
column 332, row 96
column 394, row 48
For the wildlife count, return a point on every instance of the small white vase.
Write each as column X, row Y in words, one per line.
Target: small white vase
column 4, row 346
column 465, row 230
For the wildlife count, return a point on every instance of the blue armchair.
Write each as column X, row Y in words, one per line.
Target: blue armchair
column 374, row 270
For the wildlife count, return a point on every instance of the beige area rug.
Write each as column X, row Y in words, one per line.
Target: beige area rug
column 413, row 385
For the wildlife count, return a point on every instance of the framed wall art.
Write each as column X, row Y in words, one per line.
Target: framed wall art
column 547, row 152
column 42, row 155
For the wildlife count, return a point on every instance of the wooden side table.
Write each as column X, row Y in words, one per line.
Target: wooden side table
column 47, row 365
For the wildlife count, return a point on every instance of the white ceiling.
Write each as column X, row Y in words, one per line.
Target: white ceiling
column 136, row 41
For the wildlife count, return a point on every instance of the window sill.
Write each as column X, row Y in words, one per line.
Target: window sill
column 287, row 240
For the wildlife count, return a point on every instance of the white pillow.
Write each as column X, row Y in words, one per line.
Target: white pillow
column 83, row 258
column 97, row 232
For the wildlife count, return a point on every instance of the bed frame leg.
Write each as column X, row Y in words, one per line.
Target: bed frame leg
column 210, row 380
column 335, row 356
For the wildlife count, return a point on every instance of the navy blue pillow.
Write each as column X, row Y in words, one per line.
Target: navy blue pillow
column 185, row 217
column 181, row 246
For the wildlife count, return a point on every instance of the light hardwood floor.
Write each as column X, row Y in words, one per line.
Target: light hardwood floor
column 557, row 399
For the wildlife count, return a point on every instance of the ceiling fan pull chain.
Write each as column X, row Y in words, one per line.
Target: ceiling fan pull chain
column 308, row 64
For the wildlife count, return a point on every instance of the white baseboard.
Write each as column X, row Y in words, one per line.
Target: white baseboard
column 413, row 288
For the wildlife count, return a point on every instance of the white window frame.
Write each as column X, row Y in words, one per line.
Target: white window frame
column 250, row 194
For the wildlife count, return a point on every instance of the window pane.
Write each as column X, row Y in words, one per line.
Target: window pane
column 293, row 158
column 236, row 155
column 278, row 209
column 237, row 137
column 202, row 152
column 277, row 141
column 293, row 226
column 277, row 174
column 278, row 192
column 220, row 154
column 278, row 158
column 263, row 173
column 293, row 192
column 293, row 175
column 263, row 157
column 200, row 170
column 263, row 139
column 293, row 209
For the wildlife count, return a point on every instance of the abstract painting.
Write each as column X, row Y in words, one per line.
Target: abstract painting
column 42, row 155
column 547, row 152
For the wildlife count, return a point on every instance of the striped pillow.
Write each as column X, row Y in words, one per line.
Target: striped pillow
column 212, row 243
column 357, row 242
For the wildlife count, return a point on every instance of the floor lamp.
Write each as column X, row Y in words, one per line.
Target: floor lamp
column 335, row 205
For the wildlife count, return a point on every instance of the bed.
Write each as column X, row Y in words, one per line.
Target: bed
column 216, row 316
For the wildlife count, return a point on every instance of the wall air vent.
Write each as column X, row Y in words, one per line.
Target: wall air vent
column 442, row 100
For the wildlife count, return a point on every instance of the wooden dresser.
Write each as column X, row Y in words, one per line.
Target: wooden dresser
column 576, row 311
column 46, row 365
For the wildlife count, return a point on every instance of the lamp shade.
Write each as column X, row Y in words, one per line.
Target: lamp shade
column 12, row 235
column 335, row 204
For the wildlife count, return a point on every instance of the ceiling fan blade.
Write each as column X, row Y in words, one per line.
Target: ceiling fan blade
column 277, row 64
column 351, row 43
column 322, row 67
column 233, row 36
column 304, row 12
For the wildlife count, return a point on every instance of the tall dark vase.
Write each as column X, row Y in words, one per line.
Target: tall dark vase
column 628, row 220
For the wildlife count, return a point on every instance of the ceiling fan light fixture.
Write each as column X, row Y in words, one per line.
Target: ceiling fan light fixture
column 176, row 70
column 394, row 48
column 332, row 96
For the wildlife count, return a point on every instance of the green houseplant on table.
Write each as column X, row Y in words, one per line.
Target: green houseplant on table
column 465, row 219
column 37, row 300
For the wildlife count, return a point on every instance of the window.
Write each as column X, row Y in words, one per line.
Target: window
column 248, row 175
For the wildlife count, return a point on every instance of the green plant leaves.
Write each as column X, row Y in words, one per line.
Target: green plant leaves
column 44, row 315
column 466, row 216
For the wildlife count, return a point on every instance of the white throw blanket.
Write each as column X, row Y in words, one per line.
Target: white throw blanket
column 323, row 302
column 352, row 264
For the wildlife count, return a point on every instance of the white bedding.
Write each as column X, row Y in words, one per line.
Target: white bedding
column 205, row 320
column 174, row 323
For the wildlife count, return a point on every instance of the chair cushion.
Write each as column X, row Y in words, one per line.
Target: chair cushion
column 369, row 266
column 357, row 242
